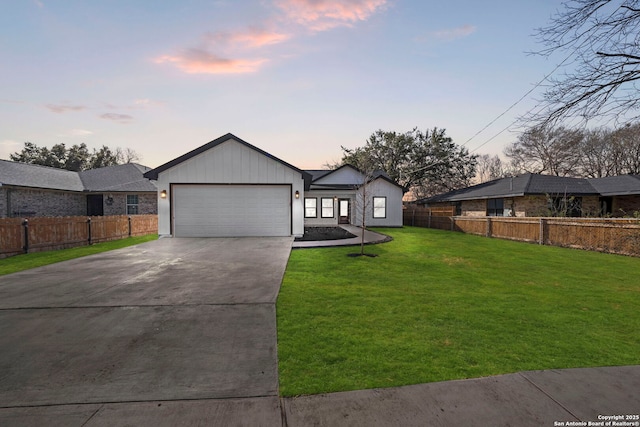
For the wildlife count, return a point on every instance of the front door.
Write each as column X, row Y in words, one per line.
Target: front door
column 344, row 211
column 95, row 205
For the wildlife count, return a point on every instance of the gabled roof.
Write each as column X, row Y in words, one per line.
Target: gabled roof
column 617, row 185
column 153, row 174
column 36, row 176
column 320, row 174
column 520, row 185
column 127, row 177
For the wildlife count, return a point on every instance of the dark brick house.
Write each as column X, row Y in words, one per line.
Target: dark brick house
column 537, row 195
column 30, row 191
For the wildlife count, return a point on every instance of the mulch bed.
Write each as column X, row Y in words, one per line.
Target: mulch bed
column 324, row 233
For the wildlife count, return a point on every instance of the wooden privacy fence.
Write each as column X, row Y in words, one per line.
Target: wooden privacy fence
column 619, row 235
column 23, row 235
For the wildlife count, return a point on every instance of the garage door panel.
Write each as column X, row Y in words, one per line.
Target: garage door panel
column 232, row 210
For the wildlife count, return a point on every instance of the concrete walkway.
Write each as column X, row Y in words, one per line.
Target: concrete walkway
column 369, row 238
column 534, row 398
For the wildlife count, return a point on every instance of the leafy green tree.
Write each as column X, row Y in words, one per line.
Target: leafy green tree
column 78, row 157
column 426, row 162
column 103, row 157
column 74, row 158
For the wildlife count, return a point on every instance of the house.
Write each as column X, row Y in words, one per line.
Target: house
column 229, row 188
column 28, row 190
column 544, row 195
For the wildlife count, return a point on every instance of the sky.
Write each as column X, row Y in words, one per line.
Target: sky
column 296, row 78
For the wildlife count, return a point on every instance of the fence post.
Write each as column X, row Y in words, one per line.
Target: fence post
column 452, row 222
column 429, row 219
column 89, row 229
column 541, row 241
column 413, row 217
column 25, row 224
column 489, row 231
column 129, row 226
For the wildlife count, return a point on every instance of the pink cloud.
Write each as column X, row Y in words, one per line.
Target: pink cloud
column 59, row 109
column 200, row 61
column 252, row 38
column 320, row 15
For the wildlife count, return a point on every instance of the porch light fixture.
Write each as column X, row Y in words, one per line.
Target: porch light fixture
column 335, row 198
column 297, row 194
column 163, row 194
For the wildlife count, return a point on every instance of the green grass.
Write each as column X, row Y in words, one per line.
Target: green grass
column 437, row 305
column 38, row 259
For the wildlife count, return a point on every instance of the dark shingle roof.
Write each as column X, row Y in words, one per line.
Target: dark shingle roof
column 518, row 186
column 617, row 185
column 35, row 176
column 128, row 177
column 317, row 174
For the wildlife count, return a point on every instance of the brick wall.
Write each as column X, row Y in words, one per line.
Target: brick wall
column 26, row 202
column 474, row 208
column 3, row 202
column 147, row 204
column 529, row 206
column 626, row 205
column 20, row 202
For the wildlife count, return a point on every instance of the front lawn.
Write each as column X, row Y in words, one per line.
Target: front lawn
column 437, row 305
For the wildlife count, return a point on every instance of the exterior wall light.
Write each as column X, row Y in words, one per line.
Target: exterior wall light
column 163, row 194
column 297, row 194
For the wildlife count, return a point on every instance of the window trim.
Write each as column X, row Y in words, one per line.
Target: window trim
column 135, row 205
column 373, row 207
column 315, row 207
column 323, row 207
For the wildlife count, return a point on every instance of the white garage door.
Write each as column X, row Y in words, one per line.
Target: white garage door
column 231, row 210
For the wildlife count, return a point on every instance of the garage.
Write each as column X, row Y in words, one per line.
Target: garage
column 210, row 210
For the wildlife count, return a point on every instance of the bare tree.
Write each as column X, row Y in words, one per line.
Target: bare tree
column 602, row 66
column 546, row 150
column 627, row 142
column 127, row 155
column 489, row 168
column 599, row 156
column 364, row 201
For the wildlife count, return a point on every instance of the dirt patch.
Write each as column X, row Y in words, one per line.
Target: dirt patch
column 324, row 233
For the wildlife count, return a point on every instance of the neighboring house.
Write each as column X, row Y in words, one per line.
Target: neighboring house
column 30, row 190
column 545, row 195
column 229, row 187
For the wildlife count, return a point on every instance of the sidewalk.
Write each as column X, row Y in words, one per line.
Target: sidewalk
column 535, row 398
column 369, row 237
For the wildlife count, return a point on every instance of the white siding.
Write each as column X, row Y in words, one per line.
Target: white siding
column 231, row 163
column 380, row 188
column 345, row 175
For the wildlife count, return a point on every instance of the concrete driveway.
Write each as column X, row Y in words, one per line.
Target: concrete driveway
column 175, row 331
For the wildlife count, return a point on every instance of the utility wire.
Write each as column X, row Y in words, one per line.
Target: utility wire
column 511, row 107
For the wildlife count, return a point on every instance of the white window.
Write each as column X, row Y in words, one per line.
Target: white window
column 132, row 204
column 327, row 208
column 310, row 207
column 379, row 207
